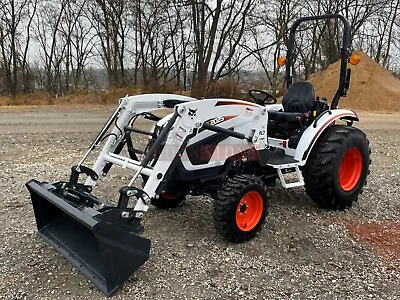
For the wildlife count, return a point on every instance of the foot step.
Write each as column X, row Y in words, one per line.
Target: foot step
column 299, row 177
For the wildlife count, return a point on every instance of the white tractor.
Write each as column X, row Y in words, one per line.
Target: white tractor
column 231, row 150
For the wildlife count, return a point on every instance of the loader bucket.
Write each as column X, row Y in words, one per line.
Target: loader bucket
column 105, row 252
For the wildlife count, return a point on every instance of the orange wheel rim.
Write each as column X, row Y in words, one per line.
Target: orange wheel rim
column 249, row 211
column 350, row 169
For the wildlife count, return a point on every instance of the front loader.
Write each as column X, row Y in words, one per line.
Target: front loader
column 231, row 150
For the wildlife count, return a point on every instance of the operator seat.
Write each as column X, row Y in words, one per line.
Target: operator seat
column 297, row 101
column 299, row 97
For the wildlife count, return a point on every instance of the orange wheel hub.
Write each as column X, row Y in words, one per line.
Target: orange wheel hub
column 249, row 211
column 350, row 169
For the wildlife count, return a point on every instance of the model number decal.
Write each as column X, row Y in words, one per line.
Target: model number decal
column 216, row 120
column 220, row 119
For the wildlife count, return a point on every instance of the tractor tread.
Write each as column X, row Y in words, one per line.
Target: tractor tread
column 321, row 169
column 225, row 205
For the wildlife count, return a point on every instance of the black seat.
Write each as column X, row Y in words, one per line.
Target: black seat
column 299, row 98
column 297, row 101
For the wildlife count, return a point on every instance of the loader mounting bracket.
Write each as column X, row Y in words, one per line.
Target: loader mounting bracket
column 77, row 194
column 123, row 218
column 127, row 192
column 77, row 170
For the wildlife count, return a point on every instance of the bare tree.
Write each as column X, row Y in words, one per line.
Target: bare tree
column 219, row 27
column 169, row 45
column 162, row 47
column 181, row 33
column 77, row 37
column 47, row 26
column 155, row 43
column 381, row 39
column 359, row 12
column 26, row 76
column 110, row 19
column 269, row 34
column 15, row 16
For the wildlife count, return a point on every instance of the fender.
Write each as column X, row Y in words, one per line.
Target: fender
column 312, row 133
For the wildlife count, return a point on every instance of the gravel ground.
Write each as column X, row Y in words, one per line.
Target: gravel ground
column 302, row 252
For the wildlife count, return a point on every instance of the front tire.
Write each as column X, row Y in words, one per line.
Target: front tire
column 240, row 208
column 337, row 168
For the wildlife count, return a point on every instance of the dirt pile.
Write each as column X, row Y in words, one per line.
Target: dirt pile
column 372, row 87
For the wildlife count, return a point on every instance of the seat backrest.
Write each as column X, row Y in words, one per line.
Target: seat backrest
column 299, row 97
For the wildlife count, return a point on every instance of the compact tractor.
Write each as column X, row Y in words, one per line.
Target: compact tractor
column 231, row 150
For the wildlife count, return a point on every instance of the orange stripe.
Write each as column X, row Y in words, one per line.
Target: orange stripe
column 221, row 103
column 323, row 127
column 330, row 120
column 327, row 123
column 226, row 118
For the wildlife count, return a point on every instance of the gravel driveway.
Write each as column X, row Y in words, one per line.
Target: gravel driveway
column 302, row 252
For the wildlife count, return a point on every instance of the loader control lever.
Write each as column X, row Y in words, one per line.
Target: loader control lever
column 228, row 132
column 303, row 120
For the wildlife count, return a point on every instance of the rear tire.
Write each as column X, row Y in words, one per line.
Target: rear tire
column 166, row 201
column 337, row 168
column 240, row 208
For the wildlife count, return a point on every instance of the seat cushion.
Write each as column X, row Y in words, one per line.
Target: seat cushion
column 299, row 97
column 282, row 116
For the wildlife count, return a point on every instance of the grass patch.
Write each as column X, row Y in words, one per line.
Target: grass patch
column 81, row 97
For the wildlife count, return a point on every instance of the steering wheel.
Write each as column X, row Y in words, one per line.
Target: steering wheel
column 261, row 97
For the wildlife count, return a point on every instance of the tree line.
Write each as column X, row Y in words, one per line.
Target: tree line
column 193, row 45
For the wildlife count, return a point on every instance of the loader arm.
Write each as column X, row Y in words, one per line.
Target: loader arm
column 129, row 106
column 102, row 241
column 189, row 119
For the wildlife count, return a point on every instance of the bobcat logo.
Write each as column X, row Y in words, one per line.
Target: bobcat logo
column 192, row 113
